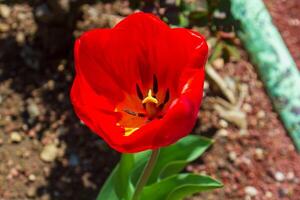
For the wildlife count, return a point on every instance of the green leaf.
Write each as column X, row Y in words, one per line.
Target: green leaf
column 183, row 20
column 118, row 185
column 212, row 41
column 108, row 189
column 217, row 51
column 173, row 168
column 141, row 159
column 200, row 17
column 179, row 186
column 187, row 7
column 173, row 159
column 232, row 51
column 122, row 183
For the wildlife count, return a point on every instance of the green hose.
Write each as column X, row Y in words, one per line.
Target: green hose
column 274, row 63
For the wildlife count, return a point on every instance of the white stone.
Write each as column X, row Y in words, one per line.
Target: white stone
column 33, row 109
column 247, row 107
column 279, row 176
column 232, row 156
column 251, row 191
column 49, row 153
column 31, row 177
column 15, row 137
column 261, row 114
column 223, row 123
column 4, row 11
column 269, row 194
column 222, row 133
column 259, row 153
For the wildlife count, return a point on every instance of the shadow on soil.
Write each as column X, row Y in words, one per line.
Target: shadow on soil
column 87, row 160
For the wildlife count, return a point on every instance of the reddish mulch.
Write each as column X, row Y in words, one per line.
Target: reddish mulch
column 263, row 159
column 286, row 16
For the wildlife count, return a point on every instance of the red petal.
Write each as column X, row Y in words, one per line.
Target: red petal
column 98, row 76
column 132, row 52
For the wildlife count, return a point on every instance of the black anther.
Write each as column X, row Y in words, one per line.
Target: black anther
column 139, row 92
column 129, row 112
column 167, row 97
column 141, row 115
column 155, row 84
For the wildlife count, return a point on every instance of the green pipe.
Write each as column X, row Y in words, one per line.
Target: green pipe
column 274, row 63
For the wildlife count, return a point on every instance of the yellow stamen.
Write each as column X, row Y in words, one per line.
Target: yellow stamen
column 150, row 98
column 129, row 131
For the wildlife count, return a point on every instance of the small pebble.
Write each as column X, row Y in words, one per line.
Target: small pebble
column 232, row 156
column 50, row 85
column 32, row 177
column 222, row 132
column 61, row 68
column 279, row 176
column 206, row 85
column 46, row 171
column 261, row 114
column 15, row 137
column 251, row 191
column 49, row 153
column 31, row 192
column 269, row 194
column 243, row 132
column 283, row 192
column 218, row 63
column 223, row 123
column 219, row 15
column 26, row 154
column 4, row 27
column 20, row 38
column 294, row 22
column 73, row 160
column 290, row 176
column 247, row 107
column 33, row 110
column 45, row 197
column 4, row 11
column 14, row 172
column 259, row 154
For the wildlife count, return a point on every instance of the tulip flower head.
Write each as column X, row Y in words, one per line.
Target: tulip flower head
column 139, row 85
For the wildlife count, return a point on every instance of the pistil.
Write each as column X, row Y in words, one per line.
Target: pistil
column 151, row 105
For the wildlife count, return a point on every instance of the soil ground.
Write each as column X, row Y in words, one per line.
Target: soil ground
column 46, row 153
column 286, row 16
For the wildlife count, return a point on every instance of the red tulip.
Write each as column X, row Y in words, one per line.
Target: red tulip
column 139, row 85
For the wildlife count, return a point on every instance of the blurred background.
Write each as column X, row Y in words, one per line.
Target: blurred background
column 47, row 154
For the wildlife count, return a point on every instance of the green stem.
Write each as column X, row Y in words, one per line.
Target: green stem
column 146, row 174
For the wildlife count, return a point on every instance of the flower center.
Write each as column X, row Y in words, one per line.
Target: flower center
column 151, row 105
